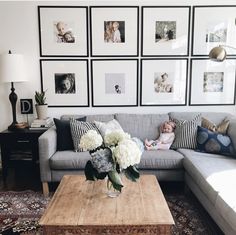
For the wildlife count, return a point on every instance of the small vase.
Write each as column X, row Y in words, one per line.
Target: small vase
column 111, row 191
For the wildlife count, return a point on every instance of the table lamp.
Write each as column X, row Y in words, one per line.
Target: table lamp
column 218, row 53
column 12, row 70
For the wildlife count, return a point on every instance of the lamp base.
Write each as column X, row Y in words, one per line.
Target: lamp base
column 12, row 127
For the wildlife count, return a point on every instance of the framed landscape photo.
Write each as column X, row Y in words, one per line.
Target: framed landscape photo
column 163, row 82
column 165, row 30
column 212, row 83
column 66, row 82
column 217, row 28
column 114, row 30
column 63, row 30
column 114, row 82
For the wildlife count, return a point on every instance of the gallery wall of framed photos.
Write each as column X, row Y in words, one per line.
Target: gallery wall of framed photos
column 123, row 56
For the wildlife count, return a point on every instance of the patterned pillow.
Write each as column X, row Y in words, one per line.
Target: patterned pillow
column 105, row 127
column 78, row 129
column 221, row 128
column 186, row 133
column 212, row 142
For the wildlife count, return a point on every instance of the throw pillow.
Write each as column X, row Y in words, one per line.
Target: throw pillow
column 105, row 127
column 221, row 128
column 212, row 142
column 78, row 129
column 186, row 133
column 64, row 138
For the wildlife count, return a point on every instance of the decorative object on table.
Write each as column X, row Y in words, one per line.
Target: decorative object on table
column 165, row 30
column 114, row 30
column 219, row 53
column 41, row 105
column 26, row 107
column 12, row 69
column 163, row 82
column 110, row 157
column 114, row 82
column 212, row 83
column 63, row 30
column 42, row 123
column 218, row 27
column 66, row 82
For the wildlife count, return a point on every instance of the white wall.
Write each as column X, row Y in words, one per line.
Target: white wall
column 19, row 32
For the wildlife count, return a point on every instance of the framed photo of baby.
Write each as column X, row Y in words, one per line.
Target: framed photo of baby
column 63, row 31
column 114, row 31
column 212, row 83
column 163, row 82
column 66, row 82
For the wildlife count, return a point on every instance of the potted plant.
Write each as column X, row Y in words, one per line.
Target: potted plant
column 41, row 106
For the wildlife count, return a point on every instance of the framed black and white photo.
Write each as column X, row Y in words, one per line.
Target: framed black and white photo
column 212, row 83
column 63, row 30
column 163, row 82
column 65, row 82
column 114, row 30
column 165, row 30
column 114, row 82
column 213, row 26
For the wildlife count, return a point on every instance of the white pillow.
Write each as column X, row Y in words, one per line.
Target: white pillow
column 106, row 127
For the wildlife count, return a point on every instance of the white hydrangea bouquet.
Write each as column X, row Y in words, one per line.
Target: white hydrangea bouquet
column 110, row 156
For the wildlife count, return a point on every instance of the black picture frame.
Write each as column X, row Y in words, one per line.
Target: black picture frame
column 118, row 50
column 153, row 52
column 100, row 80
column 213, row 92
column 211, row 16
column 81, row 66
column 151, row 95
column 26, row 106
column 80, row 49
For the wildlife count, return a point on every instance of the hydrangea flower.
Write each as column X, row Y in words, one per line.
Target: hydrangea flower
column 114, row 137
column 90, row 141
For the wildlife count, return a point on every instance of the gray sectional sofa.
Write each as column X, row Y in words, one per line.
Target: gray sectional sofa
column 210, row 177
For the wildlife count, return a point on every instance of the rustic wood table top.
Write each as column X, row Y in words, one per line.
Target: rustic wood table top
column 81, row 203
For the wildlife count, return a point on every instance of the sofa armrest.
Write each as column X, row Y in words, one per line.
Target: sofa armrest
column 232, row 131
column 47, row 147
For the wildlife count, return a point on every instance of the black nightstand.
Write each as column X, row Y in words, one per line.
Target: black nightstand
column 18, row 146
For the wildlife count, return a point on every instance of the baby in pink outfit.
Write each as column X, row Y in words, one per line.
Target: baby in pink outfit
column 165, row 139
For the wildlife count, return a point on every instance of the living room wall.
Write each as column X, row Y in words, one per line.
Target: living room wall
column 19, row 32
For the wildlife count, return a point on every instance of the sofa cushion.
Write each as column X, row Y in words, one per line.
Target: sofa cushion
column 210, row 171
column 90, row 118
column 64, row 138
column 220, row 128
column 212, row 142
column 161, row 159
column 142, row 126
column 69, row 160
column 186, row 133
column 226, row 203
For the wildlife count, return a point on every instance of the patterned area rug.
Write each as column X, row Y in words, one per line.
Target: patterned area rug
column 20, row 213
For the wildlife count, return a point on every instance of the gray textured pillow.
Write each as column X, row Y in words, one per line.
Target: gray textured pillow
column 186, row 133
column 105, row 127
column 78, row 129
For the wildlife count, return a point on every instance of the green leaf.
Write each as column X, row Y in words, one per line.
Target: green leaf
column 132, row 173
column 115, row 179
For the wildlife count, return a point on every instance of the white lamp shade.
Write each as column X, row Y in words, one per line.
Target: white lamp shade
column 12, row 68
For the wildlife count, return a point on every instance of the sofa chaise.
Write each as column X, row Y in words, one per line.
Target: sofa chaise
column 209, row 176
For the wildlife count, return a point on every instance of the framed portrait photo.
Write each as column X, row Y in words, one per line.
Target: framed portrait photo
column 65, row 82
column 163, row 82
column 217, row 28
column 114, row 30
column 63, row 31
column 212, row 83
column 165, row 30
column 114, row 82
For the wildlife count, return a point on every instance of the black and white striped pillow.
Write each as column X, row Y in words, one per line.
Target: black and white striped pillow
column 186, row 133
column 79, row 128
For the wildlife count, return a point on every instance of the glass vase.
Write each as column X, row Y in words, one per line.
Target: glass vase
column 111, row 191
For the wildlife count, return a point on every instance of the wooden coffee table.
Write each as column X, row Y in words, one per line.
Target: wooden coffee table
column 82, row 207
